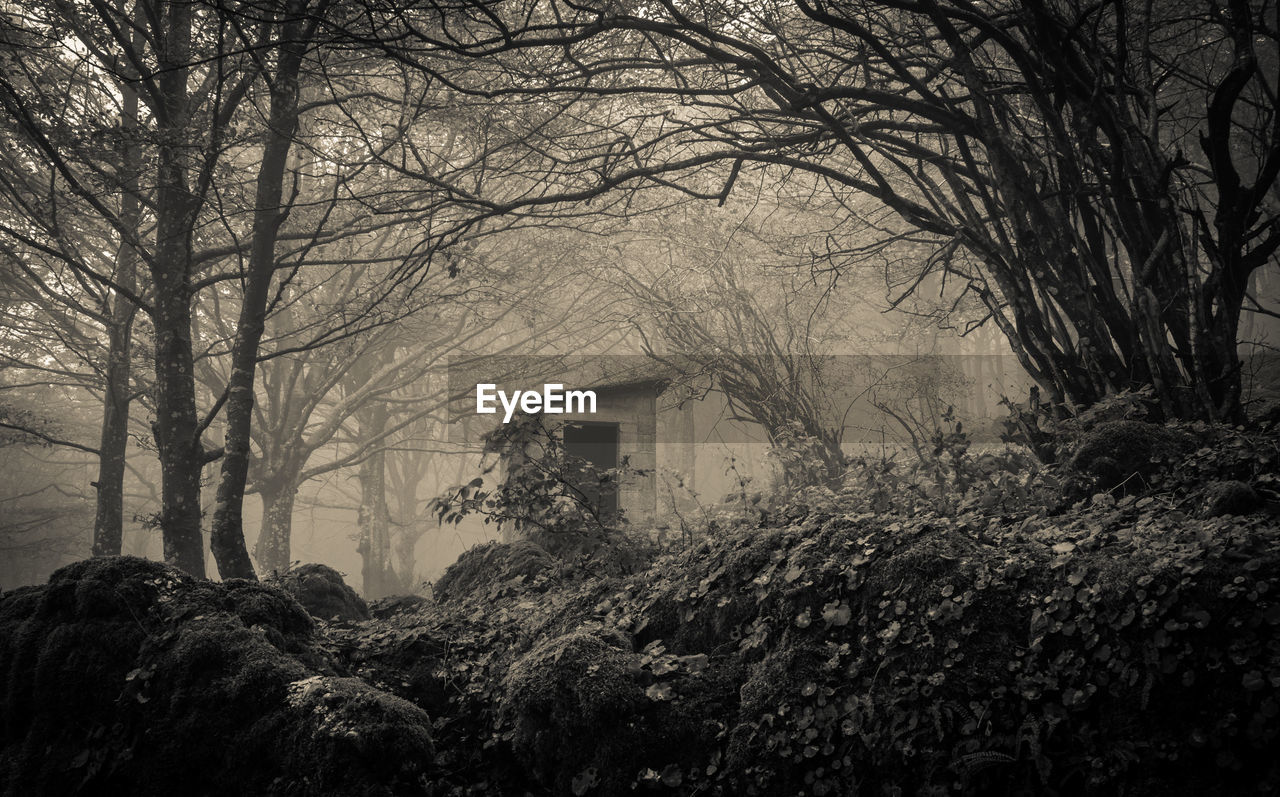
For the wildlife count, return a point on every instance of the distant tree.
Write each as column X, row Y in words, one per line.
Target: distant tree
column 415, row 462
column 764, row 356
column 47, row 503
column 745, row 298
column 189, row 74
column 347, row 368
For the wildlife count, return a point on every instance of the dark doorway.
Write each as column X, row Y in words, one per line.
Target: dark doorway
column 597, row 444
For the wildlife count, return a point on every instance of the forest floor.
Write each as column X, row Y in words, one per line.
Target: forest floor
column 1108, row 626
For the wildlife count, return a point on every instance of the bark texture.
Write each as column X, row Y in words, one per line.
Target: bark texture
column 176, row 426
column 227, row 533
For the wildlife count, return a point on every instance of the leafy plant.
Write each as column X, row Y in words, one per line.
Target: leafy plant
column 1052, row 432
column 1115, row 645
column 544, row 493
column 803, row 459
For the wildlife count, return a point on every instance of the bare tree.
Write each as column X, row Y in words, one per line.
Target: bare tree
column 294, row 26
column 1109, row 169
column 189, row 77
column 53, row 250
column 210, row 95
column 326, row 404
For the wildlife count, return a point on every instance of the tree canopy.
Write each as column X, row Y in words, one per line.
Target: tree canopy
column 1095, row 180
column 1101, row 176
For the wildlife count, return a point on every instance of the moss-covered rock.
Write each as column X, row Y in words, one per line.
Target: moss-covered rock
column 1110, row 646
column 358, row 737
column 410, row 660
column 1228, row 497
column 1119, row 452
column 571, row 704
column 482, row 566
column 322, row 592
column 1100, row 650
column 124, row 676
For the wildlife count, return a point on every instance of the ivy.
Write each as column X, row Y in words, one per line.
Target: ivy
column 1125, row 642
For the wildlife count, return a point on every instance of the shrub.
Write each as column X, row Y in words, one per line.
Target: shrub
column 1120, row 647
column 1014, row 645
column 1120, row 644
column 545, row 494
column 914, row 657
column 550, row 498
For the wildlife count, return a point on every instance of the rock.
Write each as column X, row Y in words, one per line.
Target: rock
column 484, row 565
column 1229, row 497
column 125, row 676
column 349, row 721
column 1119, row 453
column 323, row 593
column 404, row 655
column 569, row 703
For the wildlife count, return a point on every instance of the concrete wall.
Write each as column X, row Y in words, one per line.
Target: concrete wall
column 696, row 455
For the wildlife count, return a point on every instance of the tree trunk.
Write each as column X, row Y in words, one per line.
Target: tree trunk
column 374, row 518
column 273, row 548
column 108, row 522
column 181, row 458
column 176, row 425
column 227, row 534
column 408, row 526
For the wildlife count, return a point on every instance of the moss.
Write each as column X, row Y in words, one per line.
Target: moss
column 783, row 671
column 570, row 704
column 322, row 592
column 485, row 565
column 1118, row 642
column 125, row 676
column 259, row 604
column 59, row 645
column 769, row 685
column 1229, row 497
column 357, row 738
column 1117, row 452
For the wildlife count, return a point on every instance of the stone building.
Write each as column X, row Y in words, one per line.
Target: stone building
column 624, row 428
column 684, row 448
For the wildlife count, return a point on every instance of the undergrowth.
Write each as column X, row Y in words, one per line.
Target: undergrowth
column 983, row 623
column 1062, row 637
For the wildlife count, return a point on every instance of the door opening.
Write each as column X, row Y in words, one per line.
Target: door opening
column 597, row 445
